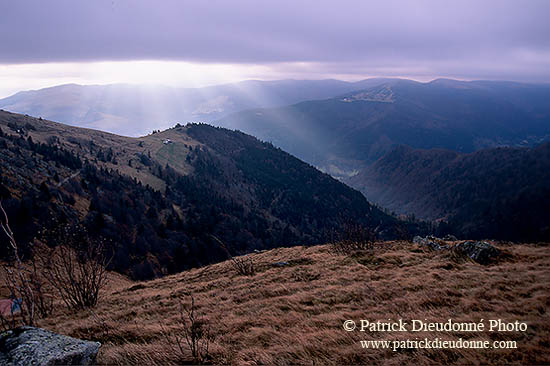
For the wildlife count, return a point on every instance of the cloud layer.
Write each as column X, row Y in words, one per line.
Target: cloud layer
column 466, row 39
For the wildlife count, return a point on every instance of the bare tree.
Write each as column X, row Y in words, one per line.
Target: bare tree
column 42, row 291
column 77, row 269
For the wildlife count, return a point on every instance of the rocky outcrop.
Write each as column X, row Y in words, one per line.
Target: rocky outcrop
column 35, row 346
column 431, row 242
column 479, row 251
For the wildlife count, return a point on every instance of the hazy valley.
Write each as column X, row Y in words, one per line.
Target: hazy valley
column 500, row 193
column 355, row 137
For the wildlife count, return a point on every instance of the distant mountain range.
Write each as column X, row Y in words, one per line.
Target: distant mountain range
column 161, row 198
column 344, row 134
column 135, row 110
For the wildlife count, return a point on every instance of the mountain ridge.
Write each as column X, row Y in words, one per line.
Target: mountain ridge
column 141, row 108
column 161, row 197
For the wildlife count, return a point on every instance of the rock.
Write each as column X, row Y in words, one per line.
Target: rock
column 35, row 346
column 431, row 242
column 480, row 251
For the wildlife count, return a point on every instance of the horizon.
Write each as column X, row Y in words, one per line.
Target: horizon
column 159, row 85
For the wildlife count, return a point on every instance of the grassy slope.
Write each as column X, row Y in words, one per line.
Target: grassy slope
column 124, row 148
column 294, row 314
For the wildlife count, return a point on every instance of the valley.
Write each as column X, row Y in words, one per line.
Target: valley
column 446, row 151
column 500, row 193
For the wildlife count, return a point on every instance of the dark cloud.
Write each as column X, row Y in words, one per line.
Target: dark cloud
column 462, row 38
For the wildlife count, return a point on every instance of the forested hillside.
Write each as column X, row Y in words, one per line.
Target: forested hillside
column 501, row 193
column 160, row 200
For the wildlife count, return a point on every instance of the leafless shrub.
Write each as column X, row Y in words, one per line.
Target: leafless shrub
column 193, row 334
column 77, row 269
column 77, row 277
column 244, row 265
column 354, row 238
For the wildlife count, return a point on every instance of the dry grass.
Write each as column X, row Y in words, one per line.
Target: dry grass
column 294, row 314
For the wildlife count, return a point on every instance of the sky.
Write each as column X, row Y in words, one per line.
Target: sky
column 196, row 43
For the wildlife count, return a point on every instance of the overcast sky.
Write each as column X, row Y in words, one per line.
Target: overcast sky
column 201, row 42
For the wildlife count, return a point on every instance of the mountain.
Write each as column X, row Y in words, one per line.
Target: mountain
column 160, row 199
column 135, row 110
column 344, row 134
column 501, row 193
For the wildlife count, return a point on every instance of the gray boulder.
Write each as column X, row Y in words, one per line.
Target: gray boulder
column 35, row 346
column 480, row 251
column 431, row 242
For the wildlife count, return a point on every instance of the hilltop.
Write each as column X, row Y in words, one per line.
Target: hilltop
column 293, row 313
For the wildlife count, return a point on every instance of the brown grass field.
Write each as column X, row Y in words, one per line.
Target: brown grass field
column 294, row 314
